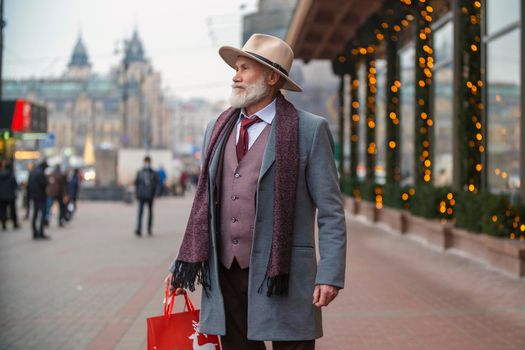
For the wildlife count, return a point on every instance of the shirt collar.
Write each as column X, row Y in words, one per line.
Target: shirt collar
column 266, row 114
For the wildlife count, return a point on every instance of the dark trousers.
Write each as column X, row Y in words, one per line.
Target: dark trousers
column 234, row 287
column 149, row 203
column 61, row 209
column 6, row 206
column 39, row 210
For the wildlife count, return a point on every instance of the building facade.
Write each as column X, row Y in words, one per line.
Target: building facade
column 434, row 86
column 125, row 108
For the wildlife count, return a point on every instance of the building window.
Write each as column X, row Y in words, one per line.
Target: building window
column 503, row 69
column 380, row 121
column 442, row 104
column 406, row 60
column 501, row 14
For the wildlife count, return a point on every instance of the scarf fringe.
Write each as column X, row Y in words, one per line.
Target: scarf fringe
column 277, row 285
column 186, row 274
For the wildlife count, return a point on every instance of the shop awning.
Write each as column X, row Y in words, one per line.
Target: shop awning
column 320, row 29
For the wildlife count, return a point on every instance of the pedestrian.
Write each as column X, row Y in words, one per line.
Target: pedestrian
column 146, row 187
column 37, row 184
column 57, row 192
column 267, row 169
column 8, row 189
column 25, row 186
column 161, row 173
column 73, row 184
column 183, row 181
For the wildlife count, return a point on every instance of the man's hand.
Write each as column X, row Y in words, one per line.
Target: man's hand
column 324, row 294
column 169, row 286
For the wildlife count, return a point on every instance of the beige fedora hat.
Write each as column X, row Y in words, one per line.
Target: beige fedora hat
column 268, row 50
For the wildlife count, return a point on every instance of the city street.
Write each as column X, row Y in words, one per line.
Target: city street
column 94, row 283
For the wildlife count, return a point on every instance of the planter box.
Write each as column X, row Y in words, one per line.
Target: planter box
column 369, row 210
column 470, row 243
column 392, row 217
column 504, row 255
column 432, row 231
column 501, row 254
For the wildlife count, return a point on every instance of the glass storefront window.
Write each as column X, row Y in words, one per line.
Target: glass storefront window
column 442, row 85
column 442, row 89
column 501, row 13
column 380, row 121
column 443, row 44
column 361, row 166
column 503, row 112
column 406, row 59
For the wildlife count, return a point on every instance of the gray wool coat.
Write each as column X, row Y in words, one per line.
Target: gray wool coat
column 292, row 316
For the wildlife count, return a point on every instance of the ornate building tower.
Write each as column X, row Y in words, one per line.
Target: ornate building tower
column 145, row 114
column 79, row 66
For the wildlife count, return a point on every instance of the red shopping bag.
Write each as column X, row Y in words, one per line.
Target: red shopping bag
column 179, row 331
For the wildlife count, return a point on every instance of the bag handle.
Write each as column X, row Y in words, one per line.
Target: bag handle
column 169, row 301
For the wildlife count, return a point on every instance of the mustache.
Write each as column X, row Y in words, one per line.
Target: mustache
column 239, row 86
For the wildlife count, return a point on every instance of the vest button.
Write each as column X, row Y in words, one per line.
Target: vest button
column 237, row 175
column 235, row 241
column 234, row 197
column 234, row 220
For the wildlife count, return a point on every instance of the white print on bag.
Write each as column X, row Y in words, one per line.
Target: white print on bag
column 195, row 336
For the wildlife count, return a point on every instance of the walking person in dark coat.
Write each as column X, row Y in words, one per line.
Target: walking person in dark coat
column 72, row 191
column 8, row 188
column 25, row 186
column 56, row 191
column 146, row 186
column 37, row 184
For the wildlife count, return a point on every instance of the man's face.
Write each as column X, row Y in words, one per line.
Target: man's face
column 249, row 83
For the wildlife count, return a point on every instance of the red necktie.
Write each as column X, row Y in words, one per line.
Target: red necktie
column 242, row 144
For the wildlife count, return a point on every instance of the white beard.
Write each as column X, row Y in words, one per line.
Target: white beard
column 243, row 95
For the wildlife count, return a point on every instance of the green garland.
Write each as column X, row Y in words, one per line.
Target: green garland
column 341, row 148
column 370, row 114
column 423, row 79
column 354, row 119
column 470, row 128
column 393, row 82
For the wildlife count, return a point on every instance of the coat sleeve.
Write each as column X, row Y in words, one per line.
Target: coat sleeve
column 321, row 177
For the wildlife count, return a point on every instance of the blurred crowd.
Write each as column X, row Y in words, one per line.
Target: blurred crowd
column 44, row 189
column 50, row 193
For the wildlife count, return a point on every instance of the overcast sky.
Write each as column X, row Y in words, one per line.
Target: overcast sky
column 181, row 38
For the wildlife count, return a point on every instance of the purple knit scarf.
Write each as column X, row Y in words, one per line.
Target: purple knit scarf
column 192, row 262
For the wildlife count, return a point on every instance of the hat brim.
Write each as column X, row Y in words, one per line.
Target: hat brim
column 230, row 54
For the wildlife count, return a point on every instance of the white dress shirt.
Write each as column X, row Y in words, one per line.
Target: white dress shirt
column 266, row 115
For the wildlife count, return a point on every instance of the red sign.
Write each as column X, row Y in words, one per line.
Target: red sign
column 22, row 116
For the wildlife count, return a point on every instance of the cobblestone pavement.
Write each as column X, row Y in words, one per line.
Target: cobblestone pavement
column 93, row 285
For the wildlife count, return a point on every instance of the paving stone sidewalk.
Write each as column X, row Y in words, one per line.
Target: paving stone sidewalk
column 93, row 285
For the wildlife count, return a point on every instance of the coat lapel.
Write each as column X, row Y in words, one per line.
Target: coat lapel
column 216, row 160
column 269, row 153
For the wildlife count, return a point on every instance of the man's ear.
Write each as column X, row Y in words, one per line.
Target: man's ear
column 273, row 78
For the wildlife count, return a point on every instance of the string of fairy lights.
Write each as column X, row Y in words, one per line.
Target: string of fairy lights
column 423, row 71
column 471, row 116
column 386, row 35
column 371, row 90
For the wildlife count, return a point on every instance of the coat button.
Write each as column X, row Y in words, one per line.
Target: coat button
column 234, row 220
column 237, row 175
column 235, row 241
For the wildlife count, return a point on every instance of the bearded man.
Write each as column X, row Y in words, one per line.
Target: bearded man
column 268, row 168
